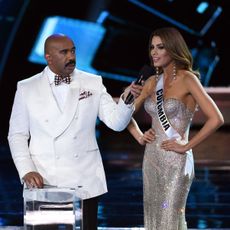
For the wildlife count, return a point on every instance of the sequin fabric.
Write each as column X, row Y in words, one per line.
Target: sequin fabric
column 166, row 186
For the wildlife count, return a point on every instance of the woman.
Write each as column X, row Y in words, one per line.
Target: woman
column 171, row 98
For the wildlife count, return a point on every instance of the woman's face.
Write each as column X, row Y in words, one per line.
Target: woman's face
column 158, row 53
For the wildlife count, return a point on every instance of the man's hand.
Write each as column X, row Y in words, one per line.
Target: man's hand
column 136, row 90
column 33, row 180
column 132, row 92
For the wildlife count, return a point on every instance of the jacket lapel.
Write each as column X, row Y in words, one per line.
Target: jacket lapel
column 70, row 108
column 56, row 120
column 49, row 102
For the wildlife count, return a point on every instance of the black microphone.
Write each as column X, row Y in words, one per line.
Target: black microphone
column 145, row 72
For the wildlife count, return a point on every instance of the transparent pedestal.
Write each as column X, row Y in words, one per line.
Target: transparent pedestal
column 52, row 209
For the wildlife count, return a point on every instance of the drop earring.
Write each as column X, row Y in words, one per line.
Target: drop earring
column 174, row 72
column 157, row 73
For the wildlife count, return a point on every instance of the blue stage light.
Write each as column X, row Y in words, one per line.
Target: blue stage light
column 87, row 37
column 202, row 7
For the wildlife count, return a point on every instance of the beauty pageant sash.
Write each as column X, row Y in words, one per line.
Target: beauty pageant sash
column 167, row 127
column 169, row 130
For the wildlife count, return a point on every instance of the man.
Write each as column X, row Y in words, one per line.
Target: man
column 52, row 126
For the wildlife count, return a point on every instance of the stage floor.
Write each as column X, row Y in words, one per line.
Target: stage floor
column 208, row 205
column 108, row 228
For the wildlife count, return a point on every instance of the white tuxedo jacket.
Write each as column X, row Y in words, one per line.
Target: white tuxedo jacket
column 61, row 145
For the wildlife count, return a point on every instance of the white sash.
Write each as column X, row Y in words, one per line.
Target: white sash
column 169, row 130
column 167, row 127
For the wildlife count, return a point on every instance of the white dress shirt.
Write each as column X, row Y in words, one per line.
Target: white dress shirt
column 59, row 91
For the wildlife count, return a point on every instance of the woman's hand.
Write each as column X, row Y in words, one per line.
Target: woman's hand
column 148, row 137
column 174, row 145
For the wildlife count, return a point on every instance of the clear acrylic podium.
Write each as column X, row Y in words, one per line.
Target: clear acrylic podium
column 52, row 209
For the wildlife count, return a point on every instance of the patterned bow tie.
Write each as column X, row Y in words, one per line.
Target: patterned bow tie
column 59, row 79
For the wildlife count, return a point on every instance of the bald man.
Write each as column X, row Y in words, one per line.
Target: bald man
column 52, row 126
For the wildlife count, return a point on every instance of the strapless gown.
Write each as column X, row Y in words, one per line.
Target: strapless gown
column 166, row 181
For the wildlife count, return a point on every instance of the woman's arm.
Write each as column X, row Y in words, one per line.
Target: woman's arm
column 208, row 107
column 149, row 135
column 142, row 138
column 210, row 110
column 147, row 90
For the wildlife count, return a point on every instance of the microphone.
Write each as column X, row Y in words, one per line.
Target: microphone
column 145, row 72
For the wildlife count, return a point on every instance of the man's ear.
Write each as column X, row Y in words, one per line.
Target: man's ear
column 48, row 58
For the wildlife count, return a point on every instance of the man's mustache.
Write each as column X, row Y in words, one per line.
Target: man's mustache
column 71, row 62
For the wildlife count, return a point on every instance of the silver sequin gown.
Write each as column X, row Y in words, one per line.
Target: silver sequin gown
column 166, row 186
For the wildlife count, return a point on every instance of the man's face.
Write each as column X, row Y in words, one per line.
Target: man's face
column 61, row 56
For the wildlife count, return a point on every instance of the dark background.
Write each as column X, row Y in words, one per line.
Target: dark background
column 124, row 49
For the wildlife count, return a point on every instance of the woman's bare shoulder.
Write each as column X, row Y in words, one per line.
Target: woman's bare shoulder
column 150, row 83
